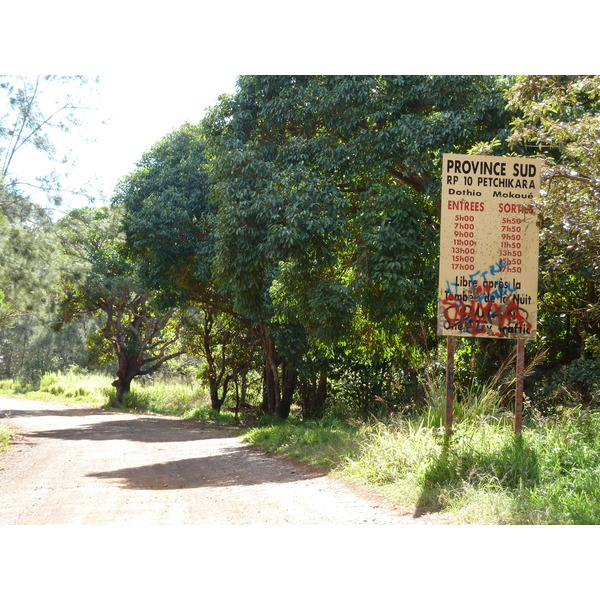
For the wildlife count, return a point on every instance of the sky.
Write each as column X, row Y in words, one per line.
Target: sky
column 131, row 112
column 139, row 111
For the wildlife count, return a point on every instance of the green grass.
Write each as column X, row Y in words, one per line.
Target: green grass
column 76, row 388
column 326, row 443
column 170, row 398
column 73, row 387
column 68, row 387
column 548, row 475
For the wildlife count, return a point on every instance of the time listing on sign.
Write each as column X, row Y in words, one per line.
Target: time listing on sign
column 488, row 246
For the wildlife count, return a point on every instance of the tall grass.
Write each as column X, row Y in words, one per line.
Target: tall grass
column 474, row 400
column 325, row 443
column 70, row 386
column 74, row 386
column 172, row 398
column 550, row 474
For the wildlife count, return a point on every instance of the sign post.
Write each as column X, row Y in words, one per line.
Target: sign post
column 520, row 368
column 489, row 252
column 449, row 384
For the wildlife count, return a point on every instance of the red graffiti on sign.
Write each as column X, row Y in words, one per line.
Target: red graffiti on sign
column 478, row 318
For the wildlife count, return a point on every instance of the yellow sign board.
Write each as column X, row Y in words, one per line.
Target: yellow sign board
column 489, row 242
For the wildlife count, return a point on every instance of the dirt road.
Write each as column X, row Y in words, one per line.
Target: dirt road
column 89, row 466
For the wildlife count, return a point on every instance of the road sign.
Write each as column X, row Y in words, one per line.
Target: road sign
column 489, row 244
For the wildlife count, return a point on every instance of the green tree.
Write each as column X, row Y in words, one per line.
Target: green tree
column 326, row 191
column 227, row 347
column 305, row 207
column 560, row 120
column 168, row 220
column 27, row 258
column 169, row 226
column 98, row 278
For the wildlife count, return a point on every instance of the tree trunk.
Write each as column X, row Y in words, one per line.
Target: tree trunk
column 123, row 385
column 128, row 370
column 244, row 390
column 237, row 398
column 240, row 390
column 271, row 389
column 289, row 378
column 214, row 394
column 269, row 394
column 314, row 394
column 216, row 401
column 278, row 390
column 264, row 405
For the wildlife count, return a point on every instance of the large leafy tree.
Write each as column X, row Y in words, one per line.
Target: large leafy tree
column 169, row 226
column 326, row 190
column 560, row 120
column 98, row 278
column 307, row 208
column 168, row 220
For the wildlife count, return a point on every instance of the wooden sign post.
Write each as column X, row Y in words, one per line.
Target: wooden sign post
column 449, row 385
column 520, row 368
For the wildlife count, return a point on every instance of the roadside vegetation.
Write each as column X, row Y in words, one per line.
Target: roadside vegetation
column 68, row 387
column 74, row 386
column 549, row 475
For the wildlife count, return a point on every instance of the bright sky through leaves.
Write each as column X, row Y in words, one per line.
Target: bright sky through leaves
column 134, row 111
